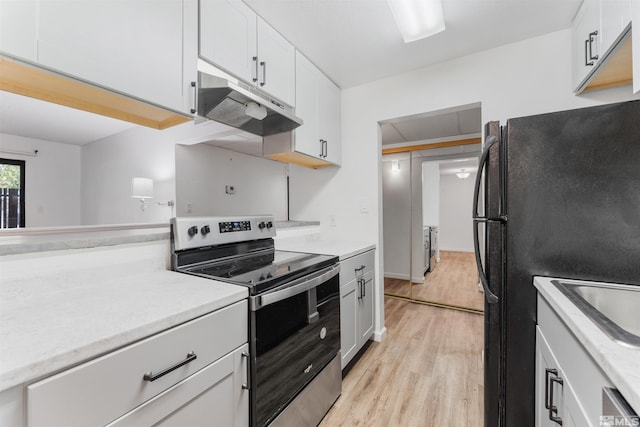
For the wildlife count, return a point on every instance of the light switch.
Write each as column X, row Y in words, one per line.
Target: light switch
column 364, row 205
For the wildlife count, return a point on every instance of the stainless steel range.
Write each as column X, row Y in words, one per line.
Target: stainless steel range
column 294, row 312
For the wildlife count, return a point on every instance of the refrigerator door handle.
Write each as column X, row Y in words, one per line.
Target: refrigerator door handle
column 477, row 219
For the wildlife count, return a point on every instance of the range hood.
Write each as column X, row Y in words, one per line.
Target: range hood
column 227, row 100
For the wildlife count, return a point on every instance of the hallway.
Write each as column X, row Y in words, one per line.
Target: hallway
column 427, row 372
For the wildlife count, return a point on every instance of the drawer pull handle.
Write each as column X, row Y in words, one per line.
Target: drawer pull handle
column 247, row 385
column 548, row 371
column 150, row 376
column 362, row 267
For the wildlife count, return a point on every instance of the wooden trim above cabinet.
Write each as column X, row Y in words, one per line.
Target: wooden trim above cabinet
column 35, row 82
column 298, row 159
column 432, row 146
column 616, row 69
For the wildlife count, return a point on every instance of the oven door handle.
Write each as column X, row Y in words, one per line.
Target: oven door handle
column 301, row 285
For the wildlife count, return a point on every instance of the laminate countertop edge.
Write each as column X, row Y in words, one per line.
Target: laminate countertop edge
column 47, row 330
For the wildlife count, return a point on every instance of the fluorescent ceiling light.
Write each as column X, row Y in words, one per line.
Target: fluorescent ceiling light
column 417, row 19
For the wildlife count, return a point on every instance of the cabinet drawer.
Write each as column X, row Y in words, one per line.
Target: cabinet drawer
column 103, row 389
column 356, row 267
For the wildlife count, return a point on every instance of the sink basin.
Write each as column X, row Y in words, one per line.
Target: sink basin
column 614, row 308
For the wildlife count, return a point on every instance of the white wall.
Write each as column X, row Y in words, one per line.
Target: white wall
column 108, row 165
column 397, row 215
column 506, row 80
column 456, row 200
column 52, row 180
column 203, row 171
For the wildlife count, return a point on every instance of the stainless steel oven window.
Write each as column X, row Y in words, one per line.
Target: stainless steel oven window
column 292, row 345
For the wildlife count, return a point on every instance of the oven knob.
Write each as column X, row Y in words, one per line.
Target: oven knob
column 205, row 230
column 261, row 225
column 269, row 224
column 192, row 231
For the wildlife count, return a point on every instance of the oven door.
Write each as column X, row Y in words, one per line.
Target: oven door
column 295, row 333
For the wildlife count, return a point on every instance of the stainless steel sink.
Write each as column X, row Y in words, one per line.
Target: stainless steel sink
column 614, row 308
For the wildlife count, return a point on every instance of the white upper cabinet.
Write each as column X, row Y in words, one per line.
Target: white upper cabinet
column 599, row 36
column 585, row 40
column 276, row 60
column 318, row 105
column 134, row 47
column 18, row 28
column 635, row 28
column 228, row 37
column 306, row 137
column 615, row 15
column 233, row 38
column 329, row 118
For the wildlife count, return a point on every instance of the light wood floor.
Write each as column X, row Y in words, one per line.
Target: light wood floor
column 427, row 372
column 454, row 281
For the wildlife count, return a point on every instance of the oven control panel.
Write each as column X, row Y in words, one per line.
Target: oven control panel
column 231, row 226
column 196, row 232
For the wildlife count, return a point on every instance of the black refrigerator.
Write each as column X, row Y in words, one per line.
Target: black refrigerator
column 559, row 196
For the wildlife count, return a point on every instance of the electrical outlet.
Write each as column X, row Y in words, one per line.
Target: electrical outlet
column 189, row 208
column 229, row 189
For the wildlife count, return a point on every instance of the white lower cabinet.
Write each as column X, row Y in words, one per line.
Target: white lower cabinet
column 556, row 400
column 214, row 393
column 356, row 303
column 192, row 374
column 568, row 381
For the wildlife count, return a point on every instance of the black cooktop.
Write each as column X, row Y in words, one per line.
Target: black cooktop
column 263, row 270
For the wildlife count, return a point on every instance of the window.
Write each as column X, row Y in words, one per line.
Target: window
column 12, row 193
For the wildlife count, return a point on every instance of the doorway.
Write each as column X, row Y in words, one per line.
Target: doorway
column 428, row 184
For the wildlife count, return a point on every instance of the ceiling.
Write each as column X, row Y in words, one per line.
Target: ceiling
column 32, row 118
column 357, row 41
column 352, row 41
column 463, row 122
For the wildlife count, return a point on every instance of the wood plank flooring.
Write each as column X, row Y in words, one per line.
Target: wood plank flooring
column 454, row 281
column 427, row 372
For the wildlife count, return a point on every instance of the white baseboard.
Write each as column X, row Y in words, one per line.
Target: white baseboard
column 380, row 335
column 400, row 276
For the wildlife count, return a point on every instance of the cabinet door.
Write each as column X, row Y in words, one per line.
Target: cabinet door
column 277, row 64
column 329, row 118
column 189, row 56
column 585, row 41
column 228, row 37
column 348, row 323
column 365, row 309
column 546, row 369
column 306, row 137
column 212, row 396
column 18, row 28
column 131, row 47
column 635, row 28
column 615, row 15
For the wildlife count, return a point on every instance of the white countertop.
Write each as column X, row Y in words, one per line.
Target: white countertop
column 620, row 363
column 340, row 248
column 53, row 316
